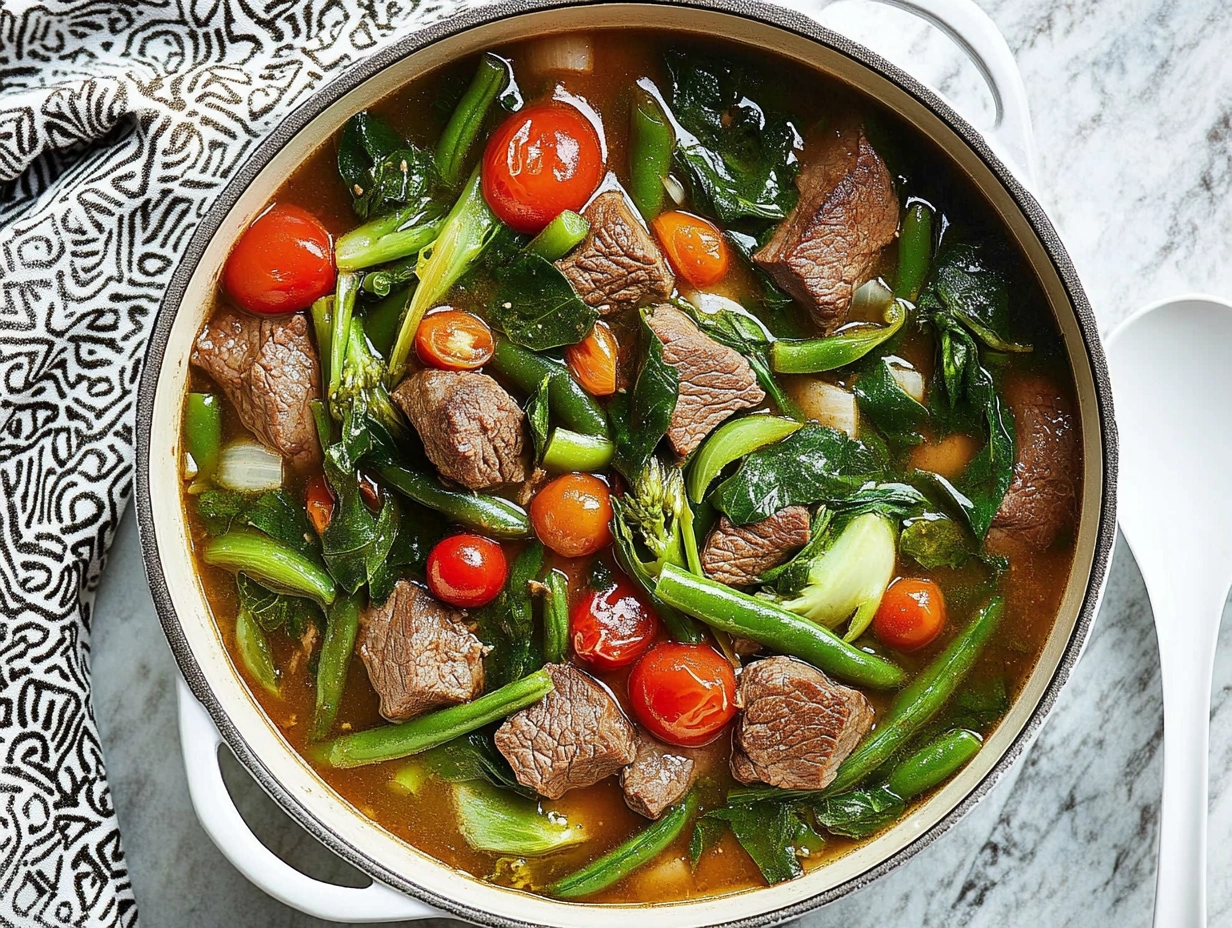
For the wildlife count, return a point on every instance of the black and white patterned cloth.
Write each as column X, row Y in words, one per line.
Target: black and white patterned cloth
column 119, row 121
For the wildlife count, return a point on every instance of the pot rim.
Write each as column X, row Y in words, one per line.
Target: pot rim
column 767, row 14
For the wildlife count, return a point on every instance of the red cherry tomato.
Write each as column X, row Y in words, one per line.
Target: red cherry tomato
column 572, row 514
column 683, row 693
column 467, row 570
column 538, row 162
column 282, row 263
column 911, row 614
column 319, row 501
column 612, row 628
column 453, row 340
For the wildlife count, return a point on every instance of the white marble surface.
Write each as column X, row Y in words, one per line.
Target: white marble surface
column 1132, row 101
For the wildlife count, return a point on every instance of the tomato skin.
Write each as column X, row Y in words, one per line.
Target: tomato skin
column 319, row 501
column 572, row 514
column 612, row 628
column 467, row 570
column 695, row 247
column 282, row 263
column 452, row 340
column 911, row 614
column 684, row 694
column 540, row 161
column 592, row 361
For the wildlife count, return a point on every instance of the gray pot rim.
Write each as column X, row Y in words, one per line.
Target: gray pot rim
column 756, row 10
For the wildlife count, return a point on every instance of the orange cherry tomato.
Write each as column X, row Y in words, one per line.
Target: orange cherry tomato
column 282, row 263
column 540, row 161
column 911, row 614
column 319, row 501
column 571, row 515
column 695, row 247
column 467, row 570
column 683, row 694
column 592, row 361
column 612, row 628
column 453, row 340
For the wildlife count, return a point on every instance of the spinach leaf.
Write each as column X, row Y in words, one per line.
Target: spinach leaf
column 792, row 577
column 218, row 509
column 276, row 610
column 976, row 292
column 859, row 813
column 538, row 413
column 536, row 306
column 814, row 464
column 739, row 156
column 640, row 418
column 382, row 170
column 275, row 513
column 706, row 834
column 474, row 757
column 898, row 416
column 506, row 625
column 357, row 542
column 980, row 703
column 766, row 830
column 936, row 541
column 893, row 500
column 419, row 528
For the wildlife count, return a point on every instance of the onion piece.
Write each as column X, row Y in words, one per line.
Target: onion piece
column 826, row 403
column 909, row 380
column 554, row 54
column 249, row 466
column 675, row 189
column 870, row 301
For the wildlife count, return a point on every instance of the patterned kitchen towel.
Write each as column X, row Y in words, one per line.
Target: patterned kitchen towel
column 119, row 122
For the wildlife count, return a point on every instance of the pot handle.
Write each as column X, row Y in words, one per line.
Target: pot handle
column 973, row 31
column 200, row 741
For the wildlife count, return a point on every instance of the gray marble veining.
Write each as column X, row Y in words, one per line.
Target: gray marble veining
column 1132, row 103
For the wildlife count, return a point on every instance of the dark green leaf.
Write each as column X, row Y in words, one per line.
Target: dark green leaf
column 506, row 625
column 967, row 284
column 419, row 528
column 893, row 500
column 767, row 832
column 217, row 509
column 887, row 406
column 640, row 418
column 536, row 306
column 276, row 610
column 859, row 813
column 275, row 513
column 981, row 703
column 706, row 833
column 538, row 413
column 745, row 333
column 474, row 757
column 365, row 139
column 792, row 577
column 383, row 171
column 357, row 542
column 935, row 540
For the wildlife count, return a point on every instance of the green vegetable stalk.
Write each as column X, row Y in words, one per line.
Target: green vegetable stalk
column 814, row 355
column 561, row 236
column 341, row 630
column 340, row 333
column 255, row 653
column 496, row 821
column 555, row 617
column 491, row 515
column 464, row 125
column 387, row 238
column 323, row 326
column 651, row 144
column 730, row 442
column 203, row 433
column 272, row 564
column 360, row 391
column 915, row 251
column 568, row 451
column 571, row 404
column 382, row 319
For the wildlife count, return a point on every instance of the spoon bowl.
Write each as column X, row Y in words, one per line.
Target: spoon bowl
column 1172, row 381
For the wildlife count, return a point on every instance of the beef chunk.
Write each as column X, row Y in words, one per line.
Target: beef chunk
column 573, row 737
column 1042, row 500
column 617, row 266
column 472, row 430
column 738, row 554
column 715, row 381
column 797, row 725
column 267, row 367
column 658, row 777
column 418, row 653
column 847, row 213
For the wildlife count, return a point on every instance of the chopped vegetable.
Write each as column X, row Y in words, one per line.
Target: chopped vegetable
column 695, row 247
column 255, row 653
column 249, row 467
column 555, row 617
column 460, row 133
column 934, row 763
column 495, row 821
column 730, row 442
column 848, row 345
column 491, row 515
column 452, row 340
column 641, row 417
column 768, row 832
column 341, row 630
column 203, row 434
column 397, row 235
column 651, row 143
column 827, row 404
column 382, row 171
column 571, row 515
column 683, row 694
column 570, row 403
column 282, row 263
column 467, row 570
column 594, row 359
column 898, row 416
column 271, row 563
column 564, row 52
column 569, row 451
column 506, row 625
column 471, row 758
column 560, row 236
column 911, row 614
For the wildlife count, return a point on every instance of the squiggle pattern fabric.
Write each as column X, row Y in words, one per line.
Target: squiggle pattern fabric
column 119, row 122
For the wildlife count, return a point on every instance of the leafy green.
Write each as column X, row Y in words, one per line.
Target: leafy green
column 419, row 528
column 506, row 625
column 640, row 418
column 792, row 576
column 858, row 813
column 357, row 543
column 382, row 170
column 493, row 820
column 892, row 500
column 272, row 610
column 766, row 830
column 538, row 414
column 369, row 421
column 738, row 155
column 934, row 540
column 899, row 416
column 967, row 284
column 980, row 703
column 536, row 306
column 474, row 757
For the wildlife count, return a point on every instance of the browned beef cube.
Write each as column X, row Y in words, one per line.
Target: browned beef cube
column 267, row 367
column 797, row 725
column 419, row 654
column 472, row 430
column 715, row 381
column 1042, row 500
column 738, row 554
column 659, row 777
column 573, row 737
column 617, row 266
column 847, row 212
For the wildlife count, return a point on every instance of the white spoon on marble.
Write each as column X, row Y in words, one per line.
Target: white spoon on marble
column 1172, row 383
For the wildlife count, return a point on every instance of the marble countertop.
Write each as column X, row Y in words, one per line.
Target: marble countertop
column 1132, row 103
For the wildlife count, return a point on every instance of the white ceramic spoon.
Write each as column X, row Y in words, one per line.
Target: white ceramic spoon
column 1172, row 382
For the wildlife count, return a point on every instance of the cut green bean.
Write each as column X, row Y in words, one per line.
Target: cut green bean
column 388, row 279
column 731, row 441
column 569, row 402
column 562, row 235
column 915, row 251
column 569, row 451
column 203, row 432
column 491, row 515
column 555, row 617
column 651, row 144
column 464, row 125
column 390, row 742
column 814, row 355
column 341, row 629
column 636, row 852
column 381, row 320
column 934, row 763
column 736, row 613
column 388, row 238
column 271, row 563
column 347, row 289
column 323, row 325
column 255, row 653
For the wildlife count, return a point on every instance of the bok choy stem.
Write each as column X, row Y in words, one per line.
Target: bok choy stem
column 560, row 236
column 340, row 331
column 387, row 238
column 272, row 564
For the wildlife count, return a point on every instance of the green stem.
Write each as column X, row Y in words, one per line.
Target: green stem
column 381, row 320
column 388, row 279
column 339, row 337
column 323, row 325
column 341, row 629
column 203, row 432
column 271, row 563
column 556, row 617
column 464, row 125
column 255, row 653
column 731, row 441
column 915, row 248
column 651, row 144
column 561, row 236
column 390, row 742
column 403, row 233
column 569, row 451
column 569, row 402
column 814, row 355
column 491, row 515
column 934, row 763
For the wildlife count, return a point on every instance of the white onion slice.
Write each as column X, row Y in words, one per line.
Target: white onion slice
column 675, row 189
column 248, row 466
column 567, row 53
column 828, row 404
column 870, row 301
column 910, row 381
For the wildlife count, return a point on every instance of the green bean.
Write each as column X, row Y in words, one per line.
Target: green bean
column 255, row 653
column 622, row 860
column 387, row 238
column 464, row 125
column 491, row 515
column 746, row 616
column 323, row 325
column 934, row 763
column 389, row 742
column 347, row 289
column 574, row 406
column 568, row 451
column 915, row 247
column 388, row 279
column 555, row 617
column 341, row 629
column 814, row 355
column 203, row 432
column 651, row 144
column 730, row 441
column 272, row 564
column 382, row 319
column 562, row 235
column 921, row 699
